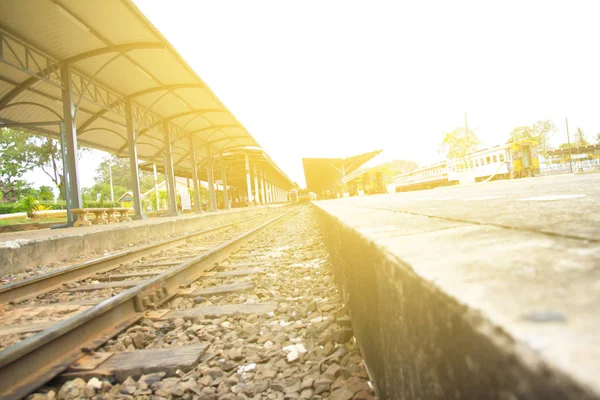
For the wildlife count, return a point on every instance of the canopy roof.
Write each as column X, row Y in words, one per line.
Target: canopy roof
column 328, row 173
column 235, row 166
column 575, row 149
column 116, row 55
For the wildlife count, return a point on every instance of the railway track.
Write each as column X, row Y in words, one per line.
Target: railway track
column 76, row 309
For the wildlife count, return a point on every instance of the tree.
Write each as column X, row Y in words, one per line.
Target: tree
column 101, row 191
column 119, row 168
column 18, row 157
column 49, row 159
column 397, row 167
column 597, row 138
column 46, row 193
column 459, row 143
column 540, row 132
column 580, row 139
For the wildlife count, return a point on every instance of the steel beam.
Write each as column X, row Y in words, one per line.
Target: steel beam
column 256, row 191
column 72, row 168
column 248, row 185
column 169, row 173
column 269, row 190
column 224, row 182
column 197, row 203
column 262, row 188
column 134, row 177
column 211, row 181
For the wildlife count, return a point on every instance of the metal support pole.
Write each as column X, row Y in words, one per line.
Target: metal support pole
column 256, row 191
column 195, row 178
column 170, row 175
column 134, row 178
column 224, row 183
column 248, row 186
column 211, row 180
column 267, row 190
column 273, row 198
column 156, row 186
column 262, row 188
column 112, row 191
column 569, row 142
column 74, row 197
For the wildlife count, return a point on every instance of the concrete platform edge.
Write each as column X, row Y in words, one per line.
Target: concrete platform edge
column 16, row 255
column 420, row 342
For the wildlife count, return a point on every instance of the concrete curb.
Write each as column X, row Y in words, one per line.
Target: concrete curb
column 27, row 250
column 422, row 343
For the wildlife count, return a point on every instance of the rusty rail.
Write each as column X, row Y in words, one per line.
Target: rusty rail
column 34, row 361
column 31, row 287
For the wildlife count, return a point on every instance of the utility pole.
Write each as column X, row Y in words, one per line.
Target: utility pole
column 569, row 143
column 112, row 191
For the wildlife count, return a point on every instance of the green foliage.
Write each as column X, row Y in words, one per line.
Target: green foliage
column 27, row 204
column 162, row 195
column 458, row 143
column 7, row 208
column 18, row 156
column 59, row 205
column 580, row 139
column 397, row 167
column 102, row 189
column 49, row 159
column 101, row 204
column 45, row 193
column 22, row 152
column 119, row 167
column 540, row 132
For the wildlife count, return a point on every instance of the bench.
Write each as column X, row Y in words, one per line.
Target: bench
column 99, row 219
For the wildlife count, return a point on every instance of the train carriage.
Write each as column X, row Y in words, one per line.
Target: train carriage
column 516, row 159
column 427, row 177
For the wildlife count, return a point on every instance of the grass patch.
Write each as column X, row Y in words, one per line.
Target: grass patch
column 20, row 221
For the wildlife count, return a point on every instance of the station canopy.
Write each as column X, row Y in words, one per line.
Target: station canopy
column 234, row 162
column 328, row 173
column 117, row 57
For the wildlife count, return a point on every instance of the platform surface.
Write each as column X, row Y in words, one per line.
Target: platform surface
column 525, row 254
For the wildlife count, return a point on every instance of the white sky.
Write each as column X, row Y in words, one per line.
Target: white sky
column 335, row 78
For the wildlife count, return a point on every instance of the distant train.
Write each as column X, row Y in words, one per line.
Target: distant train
column 515, row 159
column 371, row 181
column 301, row 196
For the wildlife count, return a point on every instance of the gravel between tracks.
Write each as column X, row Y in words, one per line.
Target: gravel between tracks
column 303, row 350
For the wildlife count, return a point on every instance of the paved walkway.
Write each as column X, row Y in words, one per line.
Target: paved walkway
column 524, row 254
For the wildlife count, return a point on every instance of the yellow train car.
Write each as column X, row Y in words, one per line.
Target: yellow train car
column 524, row 159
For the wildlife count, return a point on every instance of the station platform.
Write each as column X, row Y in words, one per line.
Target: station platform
column 20, row 250
column 485, row 291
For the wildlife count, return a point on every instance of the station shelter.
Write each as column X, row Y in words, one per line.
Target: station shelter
column 99, row 74
column 328, row 177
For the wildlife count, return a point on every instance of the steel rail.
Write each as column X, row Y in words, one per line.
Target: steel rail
column 34, row 361
column 31, row 287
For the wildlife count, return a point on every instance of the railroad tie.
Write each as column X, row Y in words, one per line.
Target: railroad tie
column 222, row 289
column 225, row 309
column 135, row 363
